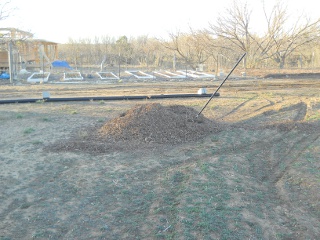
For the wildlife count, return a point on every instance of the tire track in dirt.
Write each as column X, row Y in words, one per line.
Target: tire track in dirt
column 296, row 150
column 277, row 113
column 267, row 186
column 267, row 163
column 293, row 209
column 271, row 103
column 302, row 111
column 237, row 108
column 269, row 149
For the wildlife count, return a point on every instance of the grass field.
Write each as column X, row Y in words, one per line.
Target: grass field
column 257, row 178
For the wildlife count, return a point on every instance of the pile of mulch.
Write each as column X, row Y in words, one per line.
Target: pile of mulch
column 141, row 126
column 159, row 124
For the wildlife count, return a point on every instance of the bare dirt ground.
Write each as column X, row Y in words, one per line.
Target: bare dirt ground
column 256, row 175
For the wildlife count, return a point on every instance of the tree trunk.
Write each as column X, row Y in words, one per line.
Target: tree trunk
column 282, row 62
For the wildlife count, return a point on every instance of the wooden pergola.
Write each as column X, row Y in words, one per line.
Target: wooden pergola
column 19, row 50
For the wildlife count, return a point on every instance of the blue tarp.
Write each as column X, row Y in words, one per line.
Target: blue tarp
column 4, row 75
column 61, row 64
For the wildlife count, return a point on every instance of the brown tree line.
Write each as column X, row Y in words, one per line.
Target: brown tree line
column 281, row 42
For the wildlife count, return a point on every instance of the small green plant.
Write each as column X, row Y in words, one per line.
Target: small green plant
column 19, row 116
column 28, row 130
column 313, row 117
column 5, row 238
column 45, row 119
column 83, row 134
column 40, row 101
column 38, row 234
column 213, row 106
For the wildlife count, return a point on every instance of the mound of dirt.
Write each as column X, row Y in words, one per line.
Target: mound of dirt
column 141, row 127
column 158, row 124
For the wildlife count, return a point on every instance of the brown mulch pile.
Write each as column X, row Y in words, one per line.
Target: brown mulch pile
column 159, row 124
column 143, row 126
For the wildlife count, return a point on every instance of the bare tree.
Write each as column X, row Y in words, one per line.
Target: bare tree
column 189, row 47
column 220, row 52
column 234, row 27
column 108, row 50
column 147, row 51
column 283, row 39
column 125, row 50
column 141, row 50
column 5, row 11
column 277, row 43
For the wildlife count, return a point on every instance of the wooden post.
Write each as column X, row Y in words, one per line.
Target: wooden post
column 10, row 62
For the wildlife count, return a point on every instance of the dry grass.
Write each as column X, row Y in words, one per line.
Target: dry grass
column 257, row 178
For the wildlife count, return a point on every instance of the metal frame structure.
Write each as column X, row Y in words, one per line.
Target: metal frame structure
column 72, row 76
column 140, row 74
column 107, row 76
column 39, row 77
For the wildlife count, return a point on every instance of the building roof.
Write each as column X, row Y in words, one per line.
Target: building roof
column 17, row 34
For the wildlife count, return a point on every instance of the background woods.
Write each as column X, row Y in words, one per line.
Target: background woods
column 280, row 40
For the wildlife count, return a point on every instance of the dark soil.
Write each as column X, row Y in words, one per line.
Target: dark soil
column 293, row 76
column 159, row 124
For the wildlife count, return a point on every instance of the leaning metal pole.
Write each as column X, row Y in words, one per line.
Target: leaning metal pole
column 221, row 84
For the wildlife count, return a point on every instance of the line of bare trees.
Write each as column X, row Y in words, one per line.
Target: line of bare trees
column 280, row 42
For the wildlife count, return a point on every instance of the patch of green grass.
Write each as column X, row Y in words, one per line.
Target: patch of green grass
column 281, row 236
column 41, row 101
column 29, row 130
column 46, row 119
column 83, row 134
column 195, row 104
column 5, row 238
column 214, row 107
column 313, row 117
column 19, row 116
column 68, row 109
column 38, row 234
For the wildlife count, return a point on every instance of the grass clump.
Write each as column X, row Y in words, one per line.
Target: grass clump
column 19, row 116
column 29, row 130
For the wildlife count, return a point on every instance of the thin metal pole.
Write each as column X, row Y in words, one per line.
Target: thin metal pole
column 222, row 83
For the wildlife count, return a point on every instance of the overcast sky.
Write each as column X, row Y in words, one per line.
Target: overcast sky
column 60, row 20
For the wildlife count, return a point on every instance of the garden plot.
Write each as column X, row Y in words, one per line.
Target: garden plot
column 107, row 76
column 196, row 74
column 39, row 77
column 72, row 76
column 140, row 74
column 168, row 74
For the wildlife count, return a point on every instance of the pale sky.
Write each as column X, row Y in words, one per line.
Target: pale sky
column 59, row 20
